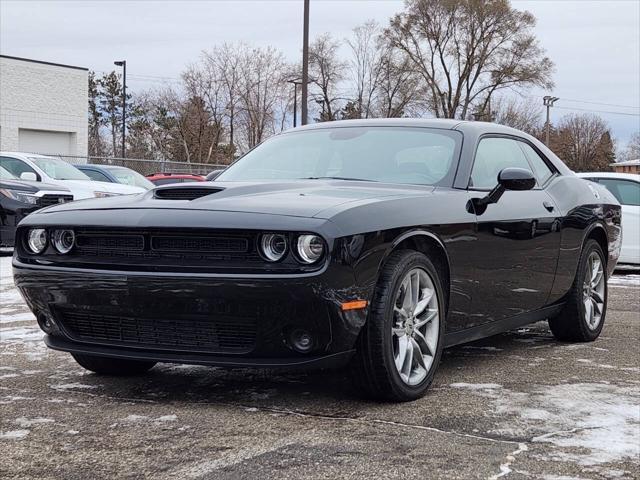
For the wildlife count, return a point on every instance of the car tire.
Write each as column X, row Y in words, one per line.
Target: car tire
column 574, row 323
column 118, row 367
column 380, row 343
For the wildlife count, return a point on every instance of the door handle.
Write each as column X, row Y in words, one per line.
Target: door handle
column 548, row 205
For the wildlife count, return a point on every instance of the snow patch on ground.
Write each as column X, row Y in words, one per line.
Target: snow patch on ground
column 26, row 423
column 625, row 280
column 601, row 420
column 71, row 386
column 20, row 334
column 14, row 434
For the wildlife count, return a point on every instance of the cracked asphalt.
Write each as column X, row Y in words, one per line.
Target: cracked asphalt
column 516, row 405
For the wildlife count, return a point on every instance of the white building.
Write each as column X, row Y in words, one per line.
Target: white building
column 43, row 107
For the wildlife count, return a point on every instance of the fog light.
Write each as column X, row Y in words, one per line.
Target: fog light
column 37, row 240
column 63, row 240
column 301, row 341
column 46, row 324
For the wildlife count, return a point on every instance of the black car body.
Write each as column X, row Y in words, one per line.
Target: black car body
column 19, row 198
column 177, row 274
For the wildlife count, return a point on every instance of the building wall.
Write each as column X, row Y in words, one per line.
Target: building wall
column 43, row 106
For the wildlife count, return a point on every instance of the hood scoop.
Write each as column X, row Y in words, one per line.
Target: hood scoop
column 184, row 193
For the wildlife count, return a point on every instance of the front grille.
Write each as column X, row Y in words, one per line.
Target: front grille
column 48, row 200
column 200, row 244
column 184, row 193
column 190, row 333
column 98, row 242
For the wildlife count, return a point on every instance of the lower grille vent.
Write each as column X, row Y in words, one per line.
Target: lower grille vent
column 189, row 333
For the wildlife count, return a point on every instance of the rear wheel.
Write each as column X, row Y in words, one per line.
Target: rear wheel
column 399, row 348
column 112, row 366
column 582, row 318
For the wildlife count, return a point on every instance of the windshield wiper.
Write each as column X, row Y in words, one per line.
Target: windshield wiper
column 339, row 178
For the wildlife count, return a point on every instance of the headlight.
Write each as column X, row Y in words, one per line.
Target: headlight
column 63, row 240
column 310, row 248
column 19, row 196
column 37, row 240
column 105, row 194
column 273, row 246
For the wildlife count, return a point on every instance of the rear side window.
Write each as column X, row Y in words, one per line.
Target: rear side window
column 97, row 176
column 540, row 169
column 625, row 191
column 493, row 155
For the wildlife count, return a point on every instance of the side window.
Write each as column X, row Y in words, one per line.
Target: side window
column 492, row 155
column 97, row 176
column 15, row 166
column 626, row 191
column 540, row 169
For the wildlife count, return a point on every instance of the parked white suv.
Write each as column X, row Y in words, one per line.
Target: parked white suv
column 626, row 188
column 52, row 170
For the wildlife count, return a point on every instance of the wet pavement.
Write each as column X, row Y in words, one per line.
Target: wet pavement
column 517, row 405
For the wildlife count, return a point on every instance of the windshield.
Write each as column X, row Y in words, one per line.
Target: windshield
column 58, row 169
column 6, row 175
column 383, row 154
column 130, row 177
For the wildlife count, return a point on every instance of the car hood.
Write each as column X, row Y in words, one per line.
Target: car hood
column 108, row 187
column 29, row 186
column 302, row 198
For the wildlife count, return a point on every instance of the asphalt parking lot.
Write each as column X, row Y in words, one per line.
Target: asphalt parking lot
column 517, row 405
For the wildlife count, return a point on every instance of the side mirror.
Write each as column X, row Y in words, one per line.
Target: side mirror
column 516, row 179
column 508, row 179
column 30, row 176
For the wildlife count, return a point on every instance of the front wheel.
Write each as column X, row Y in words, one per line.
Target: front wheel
column 399, row 348
column 582, row 317
column 119, row 367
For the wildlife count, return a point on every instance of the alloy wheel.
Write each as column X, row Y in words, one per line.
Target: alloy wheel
column 416, row 321
column 593, row 291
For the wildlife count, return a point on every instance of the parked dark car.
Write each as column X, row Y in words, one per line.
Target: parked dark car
column 115, row 174
column 166, row 178
column 212, row 175
column 372, row 243
column 19, row 198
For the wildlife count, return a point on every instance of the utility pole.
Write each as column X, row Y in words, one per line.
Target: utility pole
column 305, row 63
column 548, row 102
column 123, row 64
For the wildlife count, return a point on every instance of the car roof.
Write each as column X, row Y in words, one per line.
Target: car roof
column 26, row 154
column 622, row 176
column 441, row 123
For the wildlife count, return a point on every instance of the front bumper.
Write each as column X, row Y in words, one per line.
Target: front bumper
column 199, row 319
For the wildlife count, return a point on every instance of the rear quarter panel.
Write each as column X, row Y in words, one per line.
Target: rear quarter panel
column 584, row 207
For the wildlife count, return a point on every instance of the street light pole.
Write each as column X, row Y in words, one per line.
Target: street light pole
column 123, row 64
column 305, row 62
column 548, row 102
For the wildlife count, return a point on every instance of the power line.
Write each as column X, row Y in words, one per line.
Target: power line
column 599, row 111
column 602, row 103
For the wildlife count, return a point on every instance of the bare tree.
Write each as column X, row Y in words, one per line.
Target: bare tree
column 326, row 73
column 366, row 67
column 467, row 50
column 262, row 92
column 632, row 150
column 522, row 114
column 399, row 86
column 584, row 142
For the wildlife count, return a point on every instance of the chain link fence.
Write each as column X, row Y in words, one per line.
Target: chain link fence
column 144, row 166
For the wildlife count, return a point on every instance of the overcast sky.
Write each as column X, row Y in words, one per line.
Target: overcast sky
column 594, row 44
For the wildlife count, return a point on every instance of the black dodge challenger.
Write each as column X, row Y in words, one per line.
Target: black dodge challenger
column 372, row 243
